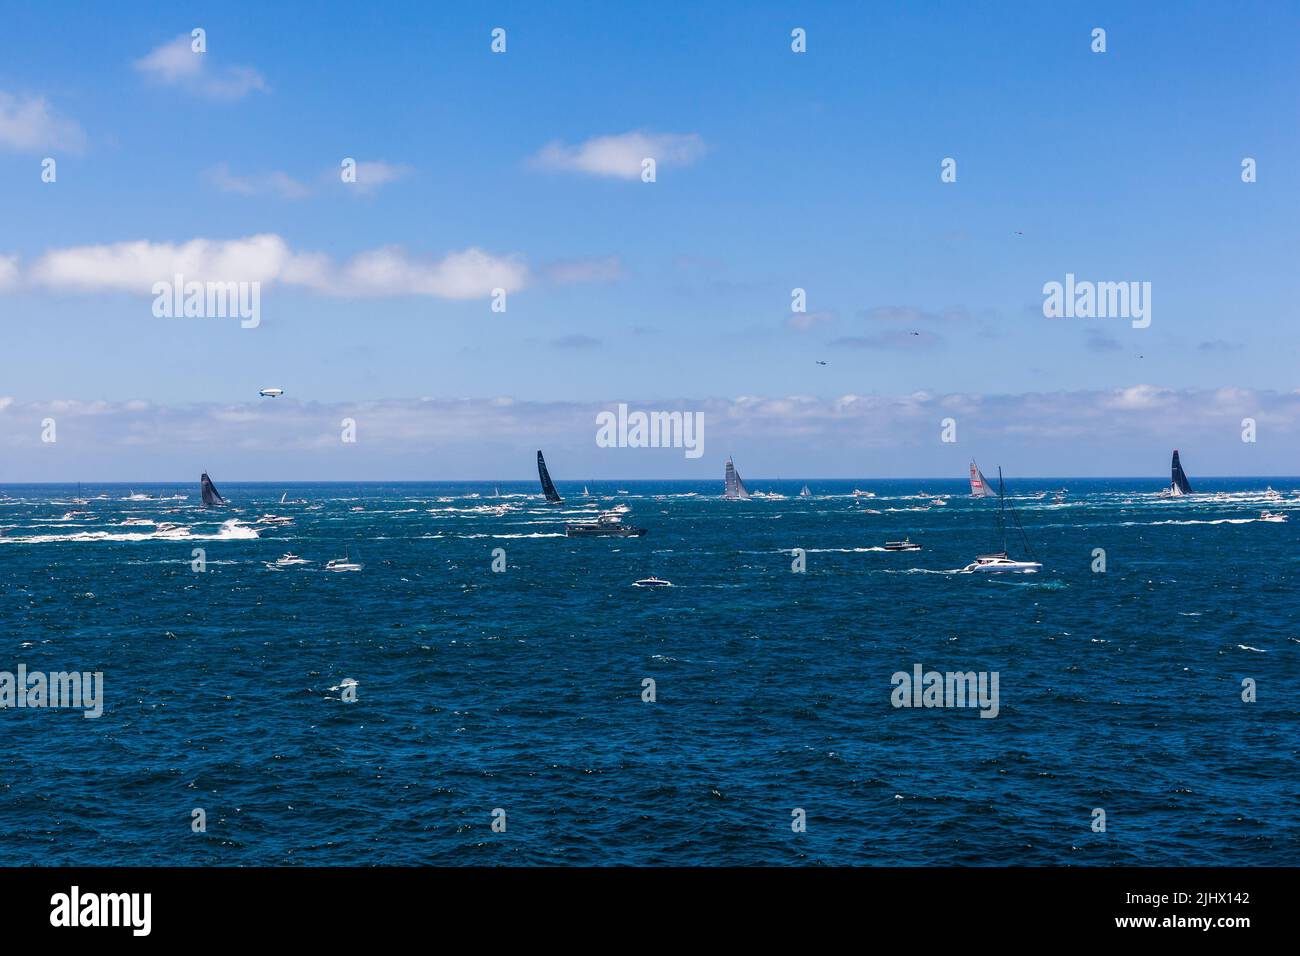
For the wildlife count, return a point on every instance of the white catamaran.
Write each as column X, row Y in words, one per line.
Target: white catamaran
column 1001, row 560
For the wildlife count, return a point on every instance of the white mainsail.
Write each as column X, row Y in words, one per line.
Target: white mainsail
column 735, row 487
column 979, row 485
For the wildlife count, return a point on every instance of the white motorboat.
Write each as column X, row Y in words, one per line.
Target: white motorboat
column 652, row 582
column 1275, row 517
column 905, row 545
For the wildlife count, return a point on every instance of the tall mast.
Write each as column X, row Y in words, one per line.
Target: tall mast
column 1002, row 511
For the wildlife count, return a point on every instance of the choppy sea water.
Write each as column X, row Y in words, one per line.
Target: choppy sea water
column 226, row 689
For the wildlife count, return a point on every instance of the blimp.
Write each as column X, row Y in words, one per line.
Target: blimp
column 270, row 392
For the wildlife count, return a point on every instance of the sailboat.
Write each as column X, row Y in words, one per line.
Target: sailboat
column 585, row 492
column 211, row 497
column 1001, row 561
column 734, row 487
column 804, row 492
column 548, row 486
column 1179, row 484
column 979, row 485
column 79, row 500
column 344, row 563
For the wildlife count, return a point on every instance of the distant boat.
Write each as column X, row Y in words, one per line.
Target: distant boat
column 284, row 496
column 804, row 492
column 79, row 500
column 548, row 486
column 344, row 563
column 904, row 545
column 1001, row 561
column 211, row 497
column 652, row 582
column 734, row 487
column 134, row 497
column 607, row 525
column 1179, row 484
column 496, row 492
column 979, row 485
column 1276, row 517
column 585, row 492
column 859, row 493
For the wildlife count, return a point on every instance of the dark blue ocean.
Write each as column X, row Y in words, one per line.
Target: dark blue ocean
column 228, row 689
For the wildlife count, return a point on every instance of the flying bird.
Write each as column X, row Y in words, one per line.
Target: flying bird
column 820, row 362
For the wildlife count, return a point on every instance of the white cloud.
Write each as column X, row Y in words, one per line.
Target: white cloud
column 274, row 183
column 371, row 174
column 175, row 63
column 620, row 156
column 8, row 272
column 28, row 124
column 267, row 258
column 136, row 266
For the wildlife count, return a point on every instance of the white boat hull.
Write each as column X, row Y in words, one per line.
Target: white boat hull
column 1004, row 566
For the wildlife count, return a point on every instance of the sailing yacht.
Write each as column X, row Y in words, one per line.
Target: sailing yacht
column 548, row 486
column 1001, row 560
column 734, row 487
column 979, row 485
column 344, row 563
column 804, row 492
column 211, row 497
column 1179, row 484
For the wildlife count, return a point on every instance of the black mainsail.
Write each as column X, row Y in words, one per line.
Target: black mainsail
column 735, row 487
column 1180, row 485
column 548, row 486
column 211, row 497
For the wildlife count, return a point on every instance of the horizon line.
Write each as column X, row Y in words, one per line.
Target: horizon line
column 533, row 480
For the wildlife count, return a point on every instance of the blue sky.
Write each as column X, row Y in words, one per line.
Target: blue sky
column 818, row 171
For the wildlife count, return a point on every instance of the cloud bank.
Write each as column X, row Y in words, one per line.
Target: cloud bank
column 267, row 258
column 1128, row 431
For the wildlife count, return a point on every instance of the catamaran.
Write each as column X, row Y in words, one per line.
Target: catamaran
column 1001, row 561
column 734, row 487
column 1179, row 484
column 979, row 485
column 211, row 497
column 548, row 486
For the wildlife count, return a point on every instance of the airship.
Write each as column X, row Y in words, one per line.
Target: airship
column 270, row 392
